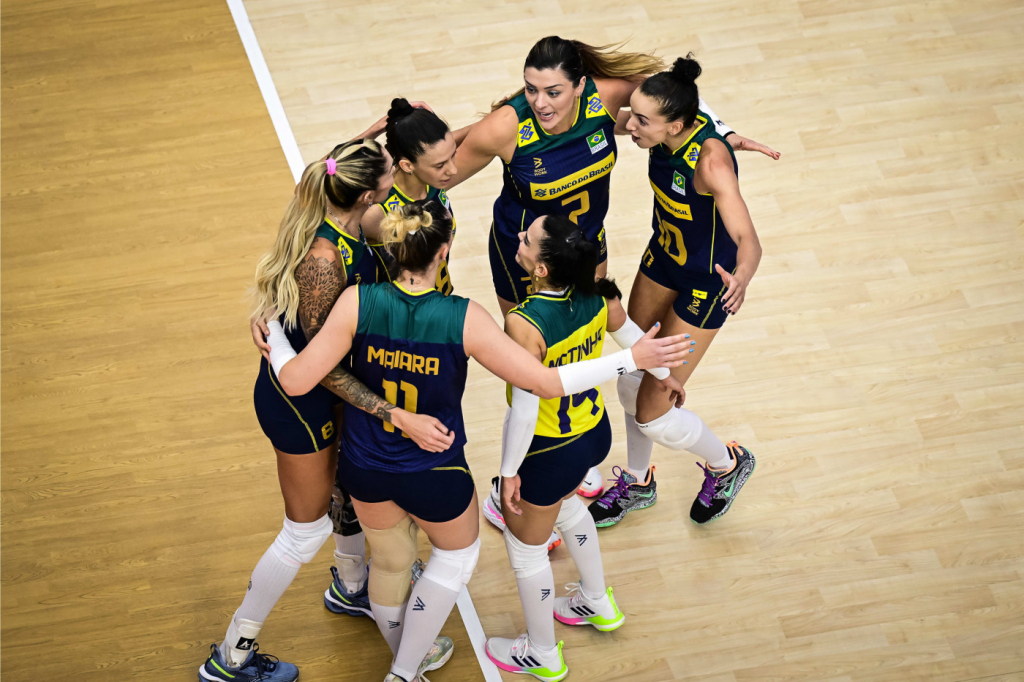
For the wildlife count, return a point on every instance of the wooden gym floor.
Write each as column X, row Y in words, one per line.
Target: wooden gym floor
column 876, row 368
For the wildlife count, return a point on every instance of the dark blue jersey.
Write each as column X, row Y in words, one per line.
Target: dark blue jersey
column 408, row 347
column 566, row 174
column 688, row 223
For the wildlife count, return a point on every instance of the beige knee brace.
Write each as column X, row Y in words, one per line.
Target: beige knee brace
column 393, row 551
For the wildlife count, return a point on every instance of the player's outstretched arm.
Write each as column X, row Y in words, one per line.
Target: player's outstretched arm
column 494, row 135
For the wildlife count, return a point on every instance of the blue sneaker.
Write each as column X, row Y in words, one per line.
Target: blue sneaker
column 338, row 600
column 257, row 667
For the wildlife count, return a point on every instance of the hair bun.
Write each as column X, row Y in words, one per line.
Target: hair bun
column 400, row 108
column 685, row 69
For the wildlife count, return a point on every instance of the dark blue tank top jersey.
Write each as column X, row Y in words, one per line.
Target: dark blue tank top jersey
column 407, row 347
column 566, row 174
column 689, row 238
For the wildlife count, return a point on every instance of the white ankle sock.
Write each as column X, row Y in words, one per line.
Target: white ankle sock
column 713, row 450
column 350, row 559
column 391, row 622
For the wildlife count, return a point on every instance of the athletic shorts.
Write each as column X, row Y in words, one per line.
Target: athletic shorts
column 435, row 495
column 511, row 282
column 296, row 425
column 699, row 293
column 554, row 467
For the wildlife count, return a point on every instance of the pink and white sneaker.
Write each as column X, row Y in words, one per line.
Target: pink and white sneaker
column 592, row 485
column 492, row 512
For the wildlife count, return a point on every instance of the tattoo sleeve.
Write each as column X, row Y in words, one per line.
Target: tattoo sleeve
column 320, row 283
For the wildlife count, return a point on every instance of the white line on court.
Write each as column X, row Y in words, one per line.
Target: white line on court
column 297, row 165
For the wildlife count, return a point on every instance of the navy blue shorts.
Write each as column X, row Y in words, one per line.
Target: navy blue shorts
column 699, row 294
column 296, row 425
column 511, row 282
column 555, row 467
column 435, row 495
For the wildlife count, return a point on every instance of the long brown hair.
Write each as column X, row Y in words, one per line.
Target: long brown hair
column 577, row 59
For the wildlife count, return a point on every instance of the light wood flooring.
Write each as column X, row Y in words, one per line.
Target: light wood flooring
column 876, row 368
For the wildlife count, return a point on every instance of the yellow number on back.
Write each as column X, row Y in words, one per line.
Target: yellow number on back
column 391, row 395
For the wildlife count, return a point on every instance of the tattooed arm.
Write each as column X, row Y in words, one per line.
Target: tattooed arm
column 321, row 280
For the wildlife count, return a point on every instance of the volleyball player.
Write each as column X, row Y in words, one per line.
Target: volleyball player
column 693, row 274
column 413, row 342
column 301, row 277
column 548, row 445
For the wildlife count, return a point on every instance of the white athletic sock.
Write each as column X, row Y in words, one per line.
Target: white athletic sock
column 638, row 449
column 581, row 540
column 391, row 623
column 269, row 580
column 711, row 449
column 537, row 595
column 429, row 607
column 350, row 559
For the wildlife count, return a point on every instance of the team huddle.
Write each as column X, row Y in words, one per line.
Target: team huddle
column 366, row 349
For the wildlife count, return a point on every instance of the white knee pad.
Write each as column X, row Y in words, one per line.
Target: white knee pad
column 452, row 568
column 677, row 429
column 627, row 387
column 298, row 543
column 527, row 560
column 571, row 513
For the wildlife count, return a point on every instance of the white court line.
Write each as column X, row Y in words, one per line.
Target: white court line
column 297, row 165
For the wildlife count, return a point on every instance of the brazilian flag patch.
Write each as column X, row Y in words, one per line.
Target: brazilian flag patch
column 597, row 142
column 678, row 183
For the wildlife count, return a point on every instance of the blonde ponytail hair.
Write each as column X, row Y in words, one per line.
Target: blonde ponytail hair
column 577, row 59
column 415, row 232
column 358, row 167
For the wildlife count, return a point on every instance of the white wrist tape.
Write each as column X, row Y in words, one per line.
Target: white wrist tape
column 579, row 376
column 627, row 335
column 520, row 424
column 720, row 127
column 281, row 350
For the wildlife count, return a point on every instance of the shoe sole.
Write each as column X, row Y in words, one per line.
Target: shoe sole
column 491, row 515
column 753, row 465
column 583, row 493
column 340, row 609
column 616, row 519
column 583, row 621
column 520, row 671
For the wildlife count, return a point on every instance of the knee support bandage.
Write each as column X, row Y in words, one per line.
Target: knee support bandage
column 452, row 568
column 343, row 515
column 394, row 551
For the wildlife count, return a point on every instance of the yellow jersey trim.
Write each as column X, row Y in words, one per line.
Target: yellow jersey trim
column 414, row 293
column 703, row 122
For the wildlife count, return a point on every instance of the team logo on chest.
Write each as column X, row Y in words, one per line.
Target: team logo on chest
column 393, row 203
column 538, row 167
column 595, row 107
column 346, row 252
column 692, row 154
column 527, row 133
column 678, row 183
column 597, row 142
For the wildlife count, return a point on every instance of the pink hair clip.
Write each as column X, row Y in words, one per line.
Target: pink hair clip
column 332, row 166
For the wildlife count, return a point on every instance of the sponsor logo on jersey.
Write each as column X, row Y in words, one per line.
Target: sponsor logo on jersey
column 692, row 154
column 700, row 294
column 551, row 190
column 676, row 209
column 595, row 107
column 393, row 203
column 538, row 167
column 527, row 133
column 597, row 142
column 346, row 253
column 399, row 359
column 678, row 183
